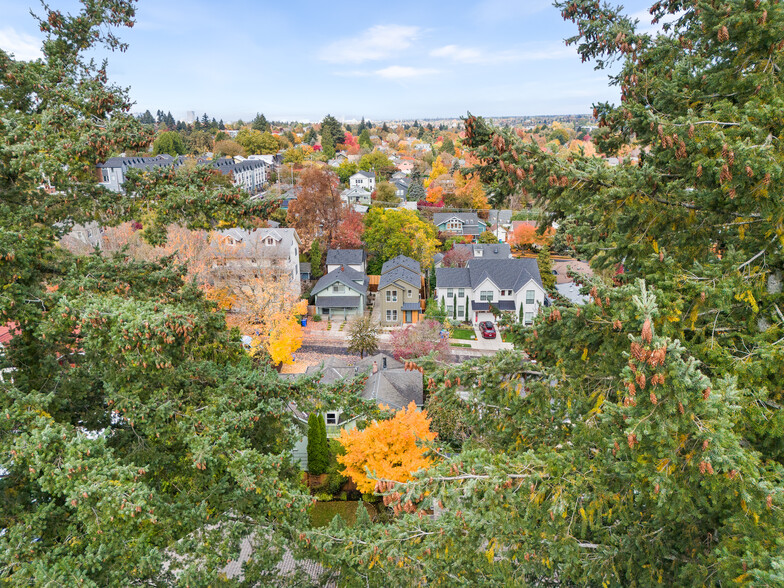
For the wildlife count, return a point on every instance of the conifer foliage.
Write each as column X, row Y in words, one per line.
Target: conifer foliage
column 138, row 442
column 318, row 446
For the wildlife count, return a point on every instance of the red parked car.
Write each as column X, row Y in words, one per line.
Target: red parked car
column 487, row 329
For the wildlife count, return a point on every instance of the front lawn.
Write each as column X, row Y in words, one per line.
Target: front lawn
column 467, row 334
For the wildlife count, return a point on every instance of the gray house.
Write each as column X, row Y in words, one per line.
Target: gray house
column 341, row 293
column 113, row 170
column 399, row 289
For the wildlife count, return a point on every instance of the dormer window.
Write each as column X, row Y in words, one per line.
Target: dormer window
column 478, row 252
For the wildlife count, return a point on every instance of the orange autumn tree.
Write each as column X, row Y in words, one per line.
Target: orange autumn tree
column 524, row 236
column 388, row 449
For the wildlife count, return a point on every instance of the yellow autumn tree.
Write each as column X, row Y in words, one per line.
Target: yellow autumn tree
column 438, row 169
column 286, row 334
column 391, row 449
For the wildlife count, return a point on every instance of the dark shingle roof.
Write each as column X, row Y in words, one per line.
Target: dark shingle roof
column 402, row 261
column 507, row 274
column 338, row 302
column 402, row 274
column 453, row 277
column 346, row 276
column 499, row 304
column 489, row 250
column 366, row 174
column 345, row 256
column 304, row 267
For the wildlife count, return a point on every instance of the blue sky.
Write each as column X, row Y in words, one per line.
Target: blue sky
column 301, row 60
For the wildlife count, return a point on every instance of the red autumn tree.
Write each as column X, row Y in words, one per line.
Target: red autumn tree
column 419, row 340
column 349, row 232
column 456, row 257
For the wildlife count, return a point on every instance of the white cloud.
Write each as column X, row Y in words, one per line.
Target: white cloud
column 462, row 54
column 378, row 42
column 395, row 72
column 473, row 55
column 24, row 47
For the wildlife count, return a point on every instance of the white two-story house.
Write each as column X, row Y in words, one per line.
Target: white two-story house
column 508, row 285
column 363, row 179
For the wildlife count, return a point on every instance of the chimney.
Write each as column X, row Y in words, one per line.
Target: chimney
column 342, row 268
column 375, row 367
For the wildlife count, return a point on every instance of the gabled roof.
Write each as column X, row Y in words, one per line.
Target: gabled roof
column 364, row 174
column 251, row 243
column 506, row 274
column 502, row 217
column 453, row 277
column 468, row 218
column 346, row 276
column 345, row 256
column 392, row 386
column 400, row 274
column 488, row 250
column 401, row 261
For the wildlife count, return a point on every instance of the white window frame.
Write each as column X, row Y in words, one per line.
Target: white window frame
column 410, row 294
column 331, row 416
column 460, row 292
column 486, row 295
column 528, row 318
column 530, row 296
column 391, row 315
column 450, row 292
column 391, row 295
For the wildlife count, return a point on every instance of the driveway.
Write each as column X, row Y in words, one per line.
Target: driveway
column 490, row 344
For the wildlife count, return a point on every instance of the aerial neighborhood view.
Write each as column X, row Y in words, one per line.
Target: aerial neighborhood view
column 478, row 294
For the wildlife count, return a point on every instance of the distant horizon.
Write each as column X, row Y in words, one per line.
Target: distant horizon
column 356, row 120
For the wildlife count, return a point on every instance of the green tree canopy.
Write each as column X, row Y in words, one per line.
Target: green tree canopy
column 393, row 232
column 256, row 142
column 169, row 142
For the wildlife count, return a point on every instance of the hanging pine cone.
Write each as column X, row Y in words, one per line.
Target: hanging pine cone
column 647, row 332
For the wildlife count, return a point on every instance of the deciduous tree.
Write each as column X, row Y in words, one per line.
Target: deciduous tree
column 349, row 232
column 393, row 232
column 318, row 209
column 363, row 336
column 420, row 340
column 390, row 449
